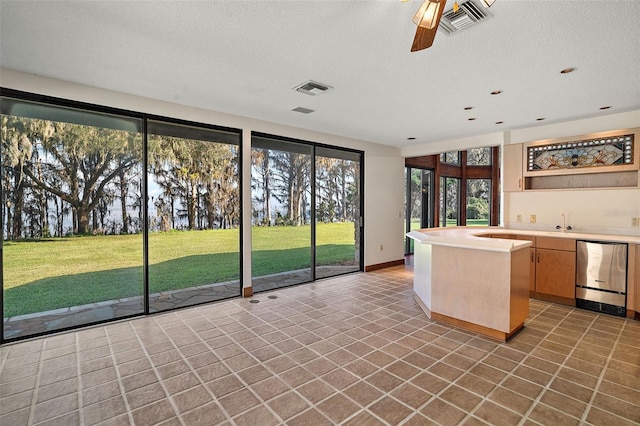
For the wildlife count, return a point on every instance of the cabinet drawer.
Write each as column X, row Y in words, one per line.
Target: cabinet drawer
column 564, row 244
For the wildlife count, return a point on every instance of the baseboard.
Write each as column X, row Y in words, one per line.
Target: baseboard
column 247, row 292
column 477, row 328
column 551, row 298
column 377, row 266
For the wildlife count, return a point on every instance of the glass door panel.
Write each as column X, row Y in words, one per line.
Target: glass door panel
column 71, row 217
column 193, row 215
column 449, row 201
column 281, row 213
column 419, row 202
column 337, row 212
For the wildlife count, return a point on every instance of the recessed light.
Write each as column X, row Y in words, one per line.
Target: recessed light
column 411, row 139
column 568, row 70
column 471, row 118
column 496, row 92
column 540, row 119
column 499, row 122
column 468, row 108
column 606, row 107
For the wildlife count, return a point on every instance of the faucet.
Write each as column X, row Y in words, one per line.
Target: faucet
column 564, row 227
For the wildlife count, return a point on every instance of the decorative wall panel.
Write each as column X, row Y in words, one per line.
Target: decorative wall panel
column 609, row 151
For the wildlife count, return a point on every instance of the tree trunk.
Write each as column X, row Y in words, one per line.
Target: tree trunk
column 124, row 183
column 82, row 216
column 267, row 187
column 191, row 205
column 211, row 206
column 18, row 203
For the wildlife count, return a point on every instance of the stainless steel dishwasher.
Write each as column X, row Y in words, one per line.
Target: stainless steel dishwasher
column 601, row 277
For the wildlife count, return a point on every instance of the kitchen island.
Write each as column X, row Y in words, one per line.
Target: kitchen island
column 472, row 282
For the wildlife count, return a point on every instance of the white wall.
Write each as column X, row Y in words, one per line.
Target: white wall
column 383, row 165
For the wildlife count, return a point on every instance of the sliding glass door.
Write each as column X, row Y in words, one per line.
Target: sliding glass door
column 418, row 202
column 72, row 251
column 306, row 212
column 108, row 214
column 337, row 212
column 449, row 201
column 281, row 213
column 194, row 215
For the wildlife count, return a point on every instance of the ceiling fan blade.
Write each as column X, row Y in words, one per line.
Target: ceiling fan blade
column 424, row 37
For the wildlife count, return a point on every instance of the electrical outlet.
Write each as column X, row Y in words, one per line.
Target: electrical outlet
column 635, row 221
column 519, row 218
column 532, row 218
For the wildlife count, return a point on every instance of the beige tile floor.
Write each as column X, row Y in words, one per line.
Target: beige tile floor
column 353, row 350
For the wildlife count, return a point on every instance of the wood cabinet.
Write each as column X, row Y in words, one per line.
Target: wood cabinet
column 552, row 270
column 532, row 269
column 512, row 168
column 555, row 269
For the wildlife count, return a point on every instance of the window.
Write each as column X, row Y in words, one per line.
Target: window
column 337, row 212
column 72, row 218
column 306, row 210
column 418, row 202
column 81, row 245
column 281, row 233
column 194, row 215
column 449, row 201
column 479, row 156
column 478, row 202
column 451, row 157
column 462, row 190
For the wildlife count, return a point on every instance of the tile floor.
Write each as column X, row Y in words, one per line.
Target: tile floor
column 43, row 322
column 353, row 350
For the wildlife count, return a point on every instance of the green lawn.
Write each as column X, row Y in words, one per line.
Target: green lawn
column 62, row 272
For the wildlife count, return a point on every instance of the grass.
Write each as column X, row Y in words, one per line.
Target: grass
column 62, row 272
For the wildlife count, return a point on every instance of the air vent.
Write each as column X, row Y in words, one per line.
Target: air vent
column 468, row 15
column 303, row 110
column 312, row 88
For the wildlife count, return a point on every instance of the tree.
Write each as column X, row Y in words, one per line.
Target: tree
column 201, row 174
column 83, row 161
column 17, row 149
column 261, row 159
column 291, row 181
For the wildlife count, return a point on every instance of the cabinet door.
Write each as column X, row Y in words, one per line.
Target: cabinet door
column 512, row 168
column 532, row 269
column 556, row 272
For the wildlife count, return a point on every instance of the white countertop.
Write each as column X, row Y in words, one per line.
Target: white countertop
column 468, row 237
column 569, row 234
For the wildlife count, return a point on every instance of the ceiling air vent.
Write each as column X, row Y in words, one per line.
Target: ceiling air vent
column 303, row 110
column 468, row 14
column 312, row 88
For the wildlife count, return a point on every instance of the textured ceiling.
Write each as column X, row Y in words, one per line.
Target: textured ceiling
column 244, row 58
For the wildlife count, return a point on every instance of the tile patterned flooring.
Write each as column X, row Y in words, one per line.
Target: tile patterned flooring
column 353, row 350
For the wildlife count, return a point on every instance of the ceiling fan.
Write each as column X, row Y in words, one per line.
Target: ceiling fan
column 427, row 18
